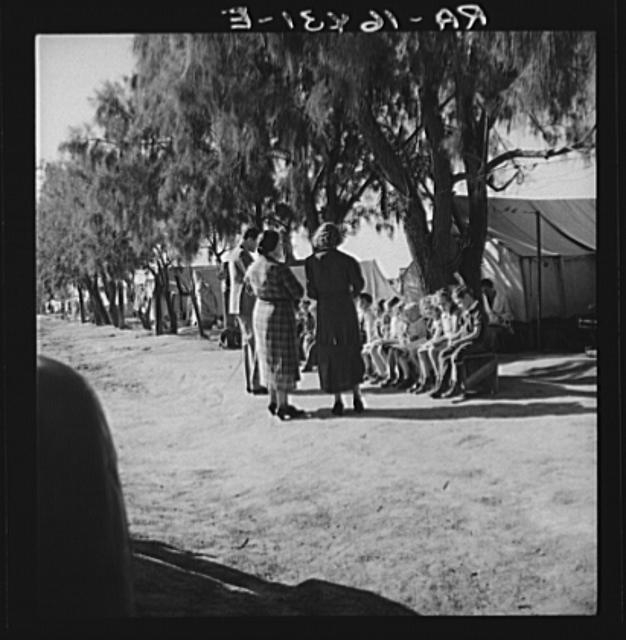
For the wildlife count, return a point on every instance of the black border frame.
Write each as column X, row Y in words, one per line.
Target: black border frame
column 20, row 24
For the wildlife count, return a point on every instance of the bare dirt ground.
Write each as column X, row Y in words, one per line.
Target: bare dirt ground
column 482, row 507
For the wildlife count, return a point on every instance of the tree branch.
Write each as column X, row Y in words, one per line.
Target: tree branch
column 492, row 184
column 361, row 190
column 512, row 154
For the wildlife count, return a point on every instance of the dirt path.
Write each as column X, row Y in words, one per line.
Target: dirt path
column 481, row 507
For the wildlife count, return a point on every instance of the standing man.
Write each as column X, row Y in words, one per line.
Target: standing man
column 241, row 304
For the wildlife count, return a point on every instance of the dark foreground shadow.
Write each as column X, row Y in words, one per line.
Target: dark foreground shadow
column 169, row 582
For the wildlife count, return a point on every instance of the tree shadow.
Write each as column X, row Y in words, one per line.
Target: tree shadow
column 523, row 388
column 170, row 582
column 577, row 372
column 468, row 409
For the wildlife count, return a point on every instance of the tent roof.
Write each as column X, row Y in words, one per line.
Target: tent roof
column 568, row 225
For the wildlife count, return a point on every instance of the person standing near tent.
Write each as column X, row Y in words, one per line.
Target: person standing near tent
column 499, row 315
column 334, row 279
column 241, row 304
column 274, row 319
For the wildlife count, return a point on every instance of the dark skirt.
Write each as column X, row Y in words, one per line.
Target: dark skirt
column 338, row 343
column 276, row 343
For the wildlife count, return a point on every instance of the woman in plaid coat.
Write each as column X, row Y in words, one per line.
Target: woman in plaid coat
column 277, row 294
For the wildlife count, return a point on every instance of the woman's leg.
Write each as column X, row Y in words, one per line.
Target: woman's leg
column 338, row 406
column 357, row 400
column 273, row 405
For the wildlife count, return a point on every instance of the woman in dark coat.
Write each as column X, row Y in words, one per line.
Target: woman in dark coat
column 277, row 293
column 334, row 279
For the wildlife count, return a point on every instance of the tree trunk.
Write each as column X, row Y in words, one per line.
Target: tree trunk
column 418, row 240
column 258, row 215
column 101, row 315
column 110, row 290
column 393, row 170
column 165, row 289
column 475, row 143
column 81, row 304
column 194, row 302
column 442, row 263
column 158, row 314
column 120, row 304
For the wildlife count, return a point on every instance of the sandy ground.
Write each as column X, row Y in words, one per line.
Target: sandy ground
column 482, row 507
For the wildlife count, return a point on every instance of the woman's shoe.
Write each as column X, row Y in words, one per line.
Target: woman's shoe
column 337, row 409
column 387, row 383
column 357, row 403
column 289, row 411
column 404, row 385
column 271, row 407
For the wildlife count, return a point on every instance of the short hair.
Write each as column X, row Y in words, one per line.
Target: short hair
column 251, row 233
column 327, row 236
column 366, row 297
column 486, row 282
column 444, row 292
column 268, row 242
column 461, row 291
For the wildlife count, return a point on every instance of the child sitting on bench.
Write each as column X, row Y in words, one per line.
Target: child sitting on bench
column 467, row 340
column 400, row 353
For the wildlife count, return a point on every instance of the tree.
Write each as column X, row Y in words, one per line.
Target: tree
column 427, row 102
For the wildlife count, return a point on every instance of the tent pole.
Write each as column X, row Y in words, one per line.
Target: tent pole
column 539, row 283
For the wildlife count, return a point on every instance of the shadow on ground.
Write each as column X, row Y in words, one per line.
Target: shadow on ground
column 577, row 372
column 170, row 582
column 464, row 409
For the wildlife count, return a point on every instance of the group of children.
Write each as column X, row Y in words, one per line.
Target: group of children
column 419, row 347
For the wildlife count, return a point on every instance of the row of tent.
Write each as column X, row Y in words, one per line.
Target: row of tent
column 511, row 258
column 209, row 290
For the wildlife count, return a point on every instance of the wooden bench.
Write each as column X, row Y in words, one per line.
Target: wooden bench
column 479, row 372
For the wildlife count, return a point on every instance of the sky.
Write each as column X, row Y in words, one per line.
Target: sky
column 70, row 68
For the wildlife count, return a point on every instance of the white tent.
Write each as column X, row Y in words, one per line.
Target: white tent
column 568, row 253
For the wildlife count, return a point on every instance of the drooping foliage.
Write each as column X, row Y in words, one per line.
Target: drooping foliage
column 219, row 130
column 431, row 107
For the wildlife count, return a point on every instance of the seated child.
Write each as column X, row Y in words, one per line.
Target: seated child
column 469, row 338
column 414, row 333
column 306, row 334
column 419, row 351
column 446, row 325
column 369, row 331
column 390, row 328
